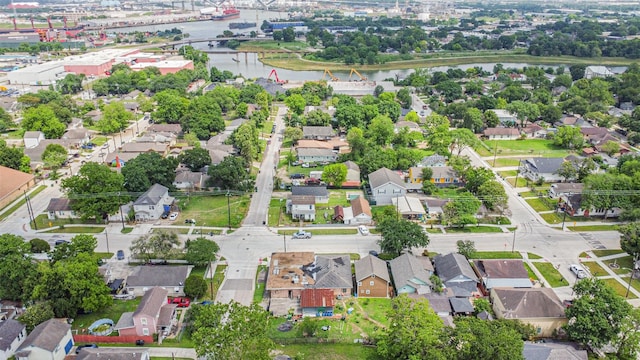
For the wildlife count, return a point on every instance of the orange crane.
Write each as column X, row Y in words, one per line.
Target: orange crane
column 354, row 71
column 328, row 72
column 275, row 75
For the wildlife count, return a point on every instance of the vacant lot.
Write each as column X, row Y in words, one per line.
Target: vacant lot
column 213, row 211
column 533, row 147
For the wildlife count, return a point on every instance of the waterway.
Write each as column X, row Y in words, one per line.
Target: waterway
column 250, row 67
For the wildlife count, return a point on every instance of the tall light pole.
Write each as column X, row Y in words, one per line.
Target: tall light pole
column 106, row 236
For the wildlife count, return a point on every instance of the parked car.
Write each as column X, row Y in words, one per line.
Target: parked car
column 140, row 342
column 363, row 230
column 182, row 302
column 373, row 253
column 173, row 216
column 165, row 215
column 296, row 176
column 190, row 221
column 86, row 346
column 301, row 235
column 62, row 241
column 120, row 255
column 578, row 270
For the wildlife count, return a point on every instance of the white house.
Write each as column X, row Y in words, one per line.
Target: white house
column 535, row 169
column 597, row 72
column 60, row 208
column 320, row 193
column 386, row 185
column 504, row 116
column 302, row 207
column 572, row 205
column 308, row 155
column 171, row 278
column 151, row 204
column 12, row 334
column 50, row 340
column 32, row 139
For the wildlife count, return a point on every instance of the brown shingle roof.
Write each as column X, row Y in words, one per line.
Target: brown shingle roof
column 503, row 269
column 12, row 180
column 360, row 205
column 500, row 131
column 303, row 200
column 371, row 265
column 523, row 303
column 59, row 204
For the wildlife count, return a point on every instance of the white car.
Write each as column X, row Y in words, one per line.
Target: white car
column 301, row 235
column 363, row 230
column 578, row 270
column 173, row 216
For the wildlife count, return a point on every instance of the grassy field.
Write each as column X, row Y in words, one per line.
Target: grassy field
column 550, row 274
column 113, row 312
column 594, row 268
column 521, row 182
column 305, row 171
column 43, row 222
column 212, row 210
column 619, row 288
column 486, row 255
column 593, row 228
column 533, row 147
column 257, row 46
column 607, row 252
column 541, row 205
column 508, row 173
column 339, row 351
column 21, row 202
column 78, row 230
column 474, row 229
column 502, row 162
column 214, row 285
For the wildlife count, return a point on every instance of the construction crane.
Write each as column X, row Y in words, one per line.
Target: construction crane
column 327, row 72
column 275, row 75
column 354, row 71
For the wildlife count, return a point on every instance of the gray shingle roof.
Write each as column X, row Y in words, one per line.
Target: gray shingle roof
column 351, row 165
column 332, row 272
column 371, row 265
column 9, row 331
column 553, row 351
column 407, row 267
column 317, row 131
column 151, row 302
column 125, row 321
column 46, row 336
column 461, row 305
column 453, row 265
column 309, row 191
column 112, row 354
column 152, row 196
column 164, row 276
column 59, row 204
column 383, row 176
column 315, row 152
column 523, row 303
column 545, row 165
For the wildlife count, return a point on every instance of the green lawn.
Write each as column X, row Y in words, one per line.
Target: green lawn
column 43, row 222
column 521, row 181
column 21, row 202
column 508, row 173
column 623, row 265
column 619, row 288
column 181, row 231
column 533, row 256
column 607, row 252
column 212, row 210
column 550, row 274
column 485, row 255
column 78, row 230
column 532, row 275
column 338, row 351
column 542, row 205
column 113, row 312
column 258, row 294
column 214, row 285
column 376, row 309
column 305, row 171
column 474, row 229
column 533, row 147
column 595, row 269
column 322, row 231
column 503, row 162
column 99, row 140
column 593, row 228
column 277, row 214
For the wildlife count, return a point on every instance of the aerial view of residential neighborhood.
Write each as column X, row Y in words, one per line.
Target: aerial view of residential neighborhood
column 319, row 180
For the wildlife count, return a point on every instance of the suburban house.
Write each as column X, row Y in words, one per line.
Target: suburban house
column 410, row 125
column 287, row 277
column 441, row 176
column 535, row 169
column 439, row 303
column 501, row 133
column 534, row 131
column 162, row 128
column 317, row 302
column 112, row 354
column 411, row 274
column 353, row 174
column 455, row 272
column 502, row 273
column 549, row 350
column 372, row 278
column 13, row 185
column 154, row 315
column 358, row 213
column 386, row 185
column 504, row 116
column 12, row 334
column 572, row 205
column 190, row 180
column 539, row 307
column 317, row 132
column 302, row 207
column 78, row 136
column 171, row 278
column 157, row 137
column 320, row 193
column 152, row 203
column 139, row 148
column 309, row 155
column 332, row 272
column 32, row 139
column 435, row 207
column 409, row 207
column 433, row 160
column 60, row 208
column 558, row 189
column 50, row 340
column 595, row 71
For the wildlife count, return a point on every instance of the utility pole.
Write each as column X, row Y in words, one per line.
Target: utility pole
column 106, row 235
column 284, row 240
column 513, row 244
column 229, row 209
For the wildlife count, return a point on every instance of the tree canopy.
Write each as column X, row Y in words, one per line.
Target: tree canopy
column 399, row 235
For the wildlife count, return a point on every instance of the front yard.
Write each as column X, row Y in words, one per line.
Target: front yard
column 551, row 274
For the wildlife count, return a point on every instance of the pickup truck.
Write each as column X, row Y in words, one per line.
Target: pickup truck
column 301, row 235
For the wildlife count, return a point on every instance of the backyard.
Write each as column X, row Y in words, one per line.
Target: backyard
column 113, row 312
column 213, row 210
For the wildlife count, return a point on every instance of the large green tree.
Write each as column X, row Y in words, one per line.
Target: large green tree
column 17, row 268
column 36, row 314
column 230, row 174
column 95, row 191
column 380, row 131
column 6, row 121
column 147, row 169
column 630, row 238
column 400, row 234
column 203, row 117
column 171, row 106
column 492, row 195
column 569, row 137
column 461, row 210
column 231, row 331
column 54, row 156
column 42, row 118
column 114, row 118
column 14, row 158
column 334, row 174
column 195, row 159
column 201, row 251
column 597, row 313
